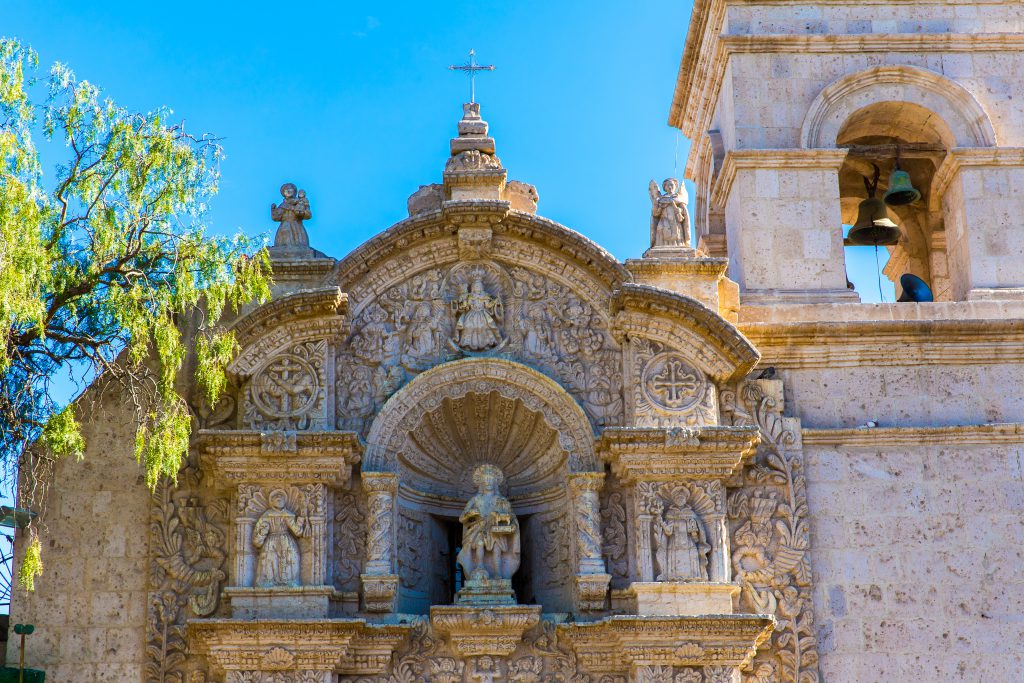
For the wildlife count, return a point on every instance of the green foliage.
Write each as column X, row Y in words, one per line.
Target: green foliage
column 62, row 435
column 103, row 271
column 31, row 564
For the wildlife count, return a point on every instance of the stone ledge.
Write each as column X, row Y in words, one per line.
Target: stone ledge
column 234, row 456
column 673, row 598
column 614, row 643
column 1011, row 433
column 654, row 454
column 808, row 344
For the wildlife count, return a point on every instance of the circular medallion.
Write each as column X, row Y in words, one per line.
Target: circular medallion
column 287, row 386
column 671, row 383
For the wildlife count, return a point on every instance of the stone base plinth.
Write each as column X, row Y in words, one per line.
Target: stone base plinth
column 592, row 592
column 379, row 591
column 676, row 598
column 300, row 602
column 476, row 631
column 486, row 592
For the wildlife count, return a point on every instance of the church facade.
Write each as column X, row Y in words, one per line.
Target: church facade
column 479, row 448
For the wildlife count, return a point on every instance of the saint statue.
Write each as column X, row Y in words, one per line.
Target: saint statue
column 478, row 316
column 490, row 530
column 682, row 545
column 670, row 223
column 290, row 213
column 274, row 536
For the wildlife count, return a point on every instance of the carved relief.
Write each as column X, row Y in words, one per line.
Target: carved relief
column 275, row 677
column 669, row 390
column 674, row 532
column 284, row 528
column 186, row 573
column 614, row 525
column 274, row 535
column 768, row 520
column 478, row 308
column 288, row 392
column 349, row 539
column 412, row 544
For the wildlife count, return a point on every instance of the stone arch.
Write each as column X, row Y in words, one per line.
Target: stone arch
column 965, row 122
column 420, row 432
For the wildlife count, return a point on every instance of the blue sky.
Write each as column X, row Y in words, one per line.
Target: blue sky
column 353, row 101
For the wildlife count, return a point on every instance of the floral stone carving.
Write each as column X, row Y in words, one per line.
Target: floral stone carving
column 670, row 391
column 768, row 519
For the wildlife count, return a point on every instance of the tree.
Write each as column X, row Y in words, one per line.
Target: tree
column 101, row 272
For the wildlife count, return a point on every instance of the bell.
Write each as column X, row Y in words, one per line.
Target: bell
column 915, row 289
column 901, row 190
column 873, row 226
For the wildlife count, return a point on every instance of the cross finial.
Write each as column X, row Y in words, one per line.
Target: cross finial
column 471, row 68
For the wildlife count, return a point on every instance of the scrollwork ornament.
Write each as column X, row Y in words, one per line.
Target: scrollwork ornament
column 186, row 573
column 768, row 518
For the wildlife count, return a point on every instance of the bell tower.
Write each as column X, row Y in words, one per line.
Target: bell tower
column 791, row 106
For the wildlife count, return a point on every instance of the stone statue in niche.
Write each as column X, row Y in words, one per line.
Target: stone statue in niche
column 681, row 544
column 670, row 223
column 478, row 314
column 490, row 534
column 290, row 213
column 274, row 535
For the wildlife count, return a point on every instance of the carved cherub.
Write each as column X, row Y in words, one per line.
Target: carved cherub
column 670, row 222
column 486, row 670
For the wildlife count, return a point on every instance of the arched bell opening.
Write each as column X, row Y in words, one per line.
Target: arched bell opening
column 883, row 138
column 436, row 431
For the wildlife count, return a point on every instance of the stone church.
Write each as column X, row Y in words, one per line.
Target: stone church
column 480, row 449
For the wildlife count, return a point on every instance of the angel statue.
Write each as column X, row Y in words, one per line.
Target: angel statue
column 290, row 214
column 670, row 223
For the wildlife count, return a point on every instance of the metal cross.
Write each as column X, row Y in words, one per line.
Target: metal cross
column 471, row 68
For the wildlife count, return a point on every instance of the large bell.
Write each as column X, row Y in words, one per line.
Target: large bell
column 873, row 226
column 901, row 190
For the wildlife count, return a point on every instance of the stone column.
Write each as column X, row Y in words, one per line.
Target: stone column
column 592, row 578
column 981, row 215
column 720, row 563
column 380, row 583
column 587, row 512
column 644, row 548
column 245, row 557
column 784, row 225
column 316, row 500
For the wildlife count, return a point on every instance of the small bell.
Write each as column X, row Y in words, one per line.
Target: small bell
column 901, row 190
column 873, row 226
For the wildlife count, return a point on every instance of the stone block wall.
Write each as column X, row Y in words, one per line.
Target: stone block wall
column 918, row 555
column 89, row 606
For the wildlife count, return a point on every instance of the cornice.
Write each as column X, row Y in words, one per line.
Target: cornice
column 707, row 266
column 654, row 454
column 782, row 159
column 236, row 456
column 614, row 642
column 1011, row 433
column 707, row 50
column 635, row 306
column 873, row 42
column 920, row 342
column 301, row 305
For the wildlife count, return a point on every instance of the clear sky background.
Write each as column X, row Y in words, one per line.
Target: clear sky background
column 353, row 101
